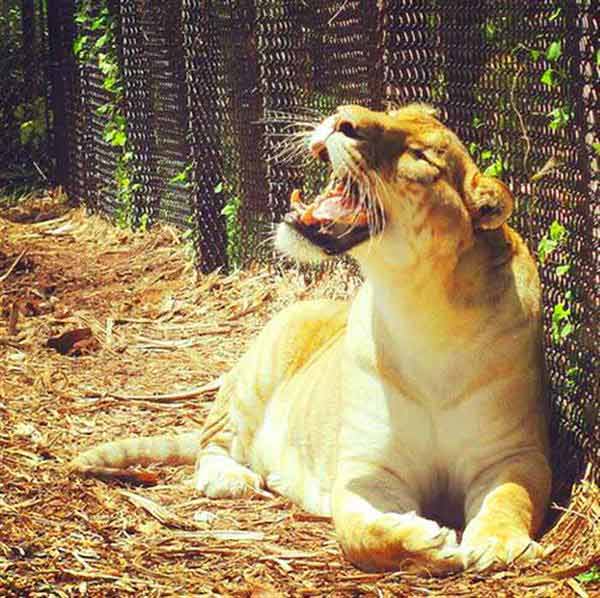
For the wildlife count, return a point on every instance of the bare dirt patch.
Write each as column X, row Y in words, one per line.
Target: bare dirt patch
column 155, row 327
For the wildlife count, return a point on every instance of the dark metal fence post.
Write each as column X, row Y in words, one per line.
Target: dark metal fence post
column 203, row 133
column 246, row 113
column 60, row 78
column 137, row 109
column 29, row 50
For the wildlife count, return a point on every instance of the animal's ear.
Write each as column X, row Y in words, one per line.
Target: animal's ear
column 490, row 202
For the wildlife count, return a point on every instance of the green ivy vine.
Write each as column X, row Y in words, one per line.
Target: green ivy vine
column 96, row 44
column 546, row 57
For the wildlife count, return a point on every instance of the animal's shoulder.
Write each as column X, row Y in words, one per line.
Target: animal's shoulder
column 307, row 325
column 313, row 313
column 287, row 342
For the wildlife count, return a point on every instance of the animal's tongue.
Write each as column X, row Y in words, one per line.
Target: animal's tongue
column 333, row 207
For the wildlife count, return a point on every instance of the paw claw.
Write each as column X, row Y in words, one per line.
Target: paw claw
column 494, row 552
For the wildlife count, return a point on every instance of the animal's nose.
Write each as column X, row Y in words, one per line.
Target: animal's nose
column 347, row 128
column 333, row 124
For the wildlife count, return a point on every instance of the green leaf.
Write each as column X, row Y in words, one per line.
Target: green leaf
column 557, row 12
column 556, row 235
column 560, row 312
column 596, row 147
column 109, row 83
column 26, row 131
column 119, row 138
column 562, row 326
column 228, row 210
column 562, row 269
column 535, row 54
column 477, row 122
column 573, row 375
column 545, row 247
column 549, row 77
column 558, row 232
column 101, row 41
column 180, row 177
column 495, row 169
column 567, row 330
column 219, row 188
column 107, row 65
column 104, row 109
column 119, row 121
column 559, row 118
column 598, row 58
column 79, row 44
column 98, row 23
column 554, row 51
column 490, row 30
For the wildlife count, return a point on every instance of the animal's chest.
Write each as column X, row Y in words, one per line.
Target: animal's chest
column 414, row 413
column 426, row 373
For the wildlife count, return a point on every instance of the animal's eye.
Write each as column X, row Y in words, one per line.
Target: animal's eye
column 417, row 153
column 348, row 129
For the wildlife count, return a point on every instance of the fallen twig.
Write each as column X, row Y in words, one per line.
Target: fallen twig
column 13, row 266
column 175, row 396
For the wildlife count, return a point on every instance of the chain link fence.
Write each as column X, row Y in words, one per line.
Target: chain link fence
column 25, row 117
column 173, row 111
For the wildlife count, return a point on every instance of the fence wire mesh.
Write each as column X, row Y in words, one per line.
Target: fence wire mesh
column 25, row 118
column 210, row 88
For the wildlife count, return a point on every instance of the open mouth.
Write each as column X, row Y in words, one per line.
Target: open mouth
column 338, row 218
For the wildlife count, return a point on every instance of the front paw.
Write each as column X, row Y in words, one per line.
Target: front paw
column 406, row 541
column 496, row 549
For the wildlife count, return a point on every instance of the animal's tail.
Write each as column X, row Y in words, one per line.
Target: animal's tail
column 111, row 460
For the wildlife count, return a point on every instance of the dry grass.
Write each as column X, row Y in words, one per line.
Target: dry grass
column 156, row 328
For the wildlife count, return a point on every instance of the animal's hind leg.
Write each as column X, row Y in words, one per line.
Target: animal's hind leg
column 218, row 474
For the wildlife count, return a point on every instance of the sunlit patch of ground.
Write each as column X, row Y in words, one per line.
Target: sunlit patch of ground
column 153, row 327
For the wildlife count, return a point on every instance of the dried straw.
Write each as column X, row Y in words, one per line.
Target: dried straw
column 163, row 336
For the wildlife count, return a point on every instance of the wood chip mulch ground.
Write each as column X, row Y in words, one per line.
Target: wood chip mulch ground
column 106, row 333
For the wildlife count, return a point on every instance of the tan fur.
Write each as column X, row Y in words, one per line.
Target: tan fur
column 423, row 398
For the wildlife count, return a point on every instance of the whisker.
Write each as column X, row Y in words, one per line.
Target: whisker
column 282, row 116
column 288, row 146
column 380, row 186
column 296, row 111
column 287, row 151
column 375, row 208
column 290, row 116
column 301, row 134
column 266, row 243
